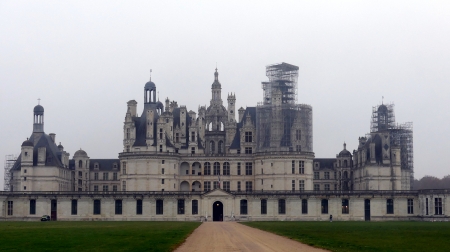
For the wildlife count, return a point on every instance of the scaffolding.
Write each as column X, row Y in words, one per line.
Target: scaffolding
column 383, row 117
column 282, row 76
column 402, row 136
column 10, row 160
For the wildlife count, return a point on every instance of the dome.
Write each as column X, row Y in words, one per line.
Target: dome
column 382, row 108
column 39, row 110
column 159, row 105
column 60, row 146
column 80, row 153
column 345, row 153
column 150, row 86
column 27, row 143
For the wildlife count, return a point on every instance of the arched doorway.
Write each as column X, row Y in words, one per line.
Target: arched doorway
column 217, row 211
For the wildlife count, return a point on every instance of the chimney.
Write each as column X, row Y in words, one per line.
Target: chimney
column 52, row 136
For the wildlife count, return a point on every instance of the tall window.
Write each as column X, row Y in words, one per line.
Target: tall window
column 301, row 167
column 226, row 168
column 220, row 147
column 298, row 135
column 324, row 206
column 96, row 176
column 426, row 206
column 10, row 207
column 226, row 186
column 160, row 133
column 74, row 207
column 96, row 188
column 105, row 176
column 124, row 186
column 215, row 184
column 177, row 137
column 389, row 206
column 193, row 136
column 437, row 206
column 410, row 206
column 207, row 186
column 345, row 206
column 207, row 169
column 159, row 206
column 180, row 206
column 97, row 207
column 327, row 175
column 124, row 168
column 138, row 207
column 115, row 176
column 243, row 206
column 114, row 188
column 128, row 133
column 32, row 206
column 304, row 206
column 239, row 186
column 301, row 185
column 264, row 206
column 118, row 207
column 105, row 188
column 281, row 206
column 195, row 207
column 211, row 147
column 316, row 187
column 327, row 187
column 248, row 186
column 216, row 168
column 248, row 150
column 293, row 185
column 238, row 168
column 293, row 166
column 248, row 137
column 248, row 168
column 316, row 175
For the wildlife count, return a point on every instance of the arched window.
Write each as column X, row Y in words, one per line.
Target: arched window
column 345, row 163
column 211, row 147
column 220, row 147
column 207, row 169
column 216, row 168
column 80, row 164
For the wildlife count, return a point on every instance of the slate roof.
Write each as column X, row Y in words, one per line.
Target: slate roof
column 236, row 144
column 325, row 163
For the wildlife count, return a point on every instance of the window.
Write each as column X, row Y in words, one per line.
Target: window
column 159, row 206
column 33, row 206
column 243, row 206
column 160, row 148
column 207, row 186
column 114, row 188
column 128, row 148
column 304, row 206
column 124, row 168
column 96, row 176
column 335, row 175
column 389, row 206
column 80, row 174
column 293, row 185
column 316, row 187
column 162, row 181
column 216, row 185
column 226, row 168
column 248, row 150
column 97, row 207
column 293, row 166
column 192, row 136
column 105, row 176
column 410, row 206
column 248, row 137
column 160, row 133
column 248, row 168
column 301, row 185
column 177, row 137
column 345, row 206
column 238, row 151
column 138, row 207
column 216, row 168
column 301, row 167
column 180, row 206
column 327, row 175
column 239, row 186
column 248, row 186
column 211, row 147
column 195, row 207
column 80, row 164
column 327, row 187
column 10, row 207
column 298, row 135
column 281, row 206
column 324, row 206
column 238, row 168
column 226, row 186
column 124, row 186
column 437, row 206
column 96, row 188
column 316, row 175
column 115, row 176
column 105, row 188
column 220, row 147
column 74, row 207
column 128, row 133
column 264, row 206
column 192, row 150
column 426, row 206
column 207, row 169
column 118, row 207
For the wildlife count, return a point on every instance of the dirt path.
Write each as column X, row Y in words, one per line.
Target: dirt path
column 232, row 236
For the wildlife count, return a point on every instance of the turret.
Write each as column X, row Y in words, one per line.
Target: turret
column 231, row 105
column 241, row 113
column 216, row 90
column 38, row 125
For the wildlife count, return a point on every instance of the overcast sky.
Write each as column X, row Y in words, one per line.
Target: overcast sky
column 86, row 59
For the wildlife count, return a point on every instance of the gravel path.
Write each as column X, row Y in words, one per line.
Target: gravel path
column 232, row 236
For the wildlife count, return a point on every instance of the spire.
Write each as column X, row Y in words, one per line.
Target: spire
column 345, row 146
column 216, row 75
column 150, row 75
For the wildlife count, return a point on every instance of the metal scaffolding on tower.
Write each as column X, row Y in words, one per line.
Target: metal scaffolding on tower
column 10, row 160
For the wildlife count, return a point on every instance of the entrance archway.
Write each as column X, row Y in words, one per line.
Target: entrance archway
column 217, row 211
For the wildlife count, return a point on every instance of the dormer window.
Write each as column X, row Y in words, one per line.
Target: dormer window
column 96, row 165
column 115, row 166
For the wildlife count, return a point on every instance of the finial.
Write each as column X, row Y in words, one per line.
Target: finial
column 345, row 146
column 150, row 74
column 39, row 101
column 382, row 100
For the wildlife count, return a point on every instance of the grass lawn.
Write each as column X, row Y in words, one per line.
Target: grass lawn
column 93, row 236
column 365, row 236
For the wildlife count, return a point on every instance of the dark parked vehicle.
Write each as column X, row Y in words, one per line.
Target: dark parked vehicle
column 45, row 218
